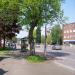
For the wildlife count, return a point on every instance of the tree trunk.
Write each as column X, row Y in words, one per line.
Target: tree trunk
column 31, row 41
column 4, row 41
column 0, row 41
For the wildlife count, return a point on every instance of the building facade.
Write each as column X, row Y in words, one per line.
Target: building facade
column 69, row 33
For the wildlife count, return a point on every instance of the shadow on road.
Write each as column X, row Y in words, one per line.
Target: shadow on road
column 18, row 54
column 58, row 54
column 2, row 71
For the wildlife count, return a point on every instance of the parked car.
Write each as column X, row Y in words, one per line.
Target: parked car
column 11, row 45
column 37, row 46
column 56, row 47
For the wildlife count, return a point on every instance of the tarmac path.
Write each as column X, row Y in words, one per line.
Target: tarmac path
column 14, row 66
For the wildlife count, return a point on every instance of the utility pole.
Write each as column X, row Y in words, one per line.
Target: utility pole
column 45, row 46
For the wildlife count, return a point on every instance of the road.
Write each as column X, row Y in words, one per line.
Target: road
column 67, row 54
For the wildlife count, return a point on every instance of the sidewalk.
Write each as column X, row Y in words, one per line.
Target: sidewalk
column 22, row 67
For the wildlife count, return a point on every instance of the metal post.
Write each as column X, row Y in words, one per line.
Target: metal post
column 45, row 46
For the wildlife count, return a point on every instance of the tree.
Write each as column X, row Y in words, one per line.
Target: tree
column 9, row 31
column 38, row 34
column 38, row 12
column 42, row 39
column 9, row 12
column 56, row 34
column 48, row 39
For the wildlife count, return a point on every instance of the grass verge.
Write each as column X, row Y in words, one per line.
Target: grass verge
column 35, row 58
column 4, row 51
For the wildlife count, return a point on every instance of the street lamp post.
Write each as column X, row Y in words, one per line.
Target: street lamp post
column 45, row 46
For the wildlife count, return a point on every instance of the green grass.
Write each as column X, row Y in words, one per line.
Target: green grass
column 3, row 53
column 35, row 58
column 4, row 49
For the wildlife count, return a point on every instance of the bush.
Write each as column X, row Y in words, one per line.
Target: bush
column 35, row 58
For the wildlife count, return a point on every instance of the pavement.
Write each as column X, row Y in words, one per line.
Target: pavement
column 12, row 66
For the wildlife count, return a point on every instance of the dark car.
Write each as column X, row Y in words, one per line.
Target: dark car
column 56, row 47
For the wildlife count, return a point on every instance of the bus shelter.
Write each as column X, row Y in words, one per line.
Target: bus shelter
column 24, row 44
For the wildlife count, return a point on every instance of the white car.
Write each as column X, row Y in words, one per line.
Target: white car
column 56, row 47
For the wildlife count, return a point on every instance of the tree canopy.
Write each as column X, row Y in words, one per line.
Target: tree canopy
column 9, row 13
column 40, row 11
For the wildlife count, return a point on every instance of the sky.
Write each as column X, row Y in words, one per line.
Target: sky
column 69, row 11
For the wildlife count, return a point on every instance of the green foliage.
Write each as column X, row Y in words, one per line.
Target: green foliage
column 39, row 11
column 35, row 58
column 38, row 34
column 9, row 13
column 9, row 10
column 42, row 39
column 4, row 49
column 3, row 53
column 48, row 39
column 34, row 34
column 56, row 35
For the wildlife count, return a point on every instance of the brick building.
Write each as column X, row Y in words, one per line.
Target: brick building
column 69, row 33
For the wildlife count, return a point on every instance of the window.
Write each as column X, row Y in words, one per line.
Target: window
column 70, row 36
column 67, row 31
column 64, row 36
column 67, row 36
column 70, row 30
column 64, row 31
column 73, row 30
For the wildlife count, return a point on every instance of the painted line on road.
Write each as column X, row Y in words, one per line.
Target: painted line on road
column 63, row 65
